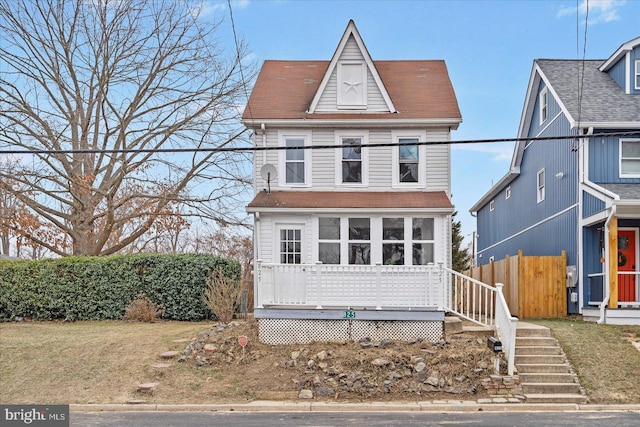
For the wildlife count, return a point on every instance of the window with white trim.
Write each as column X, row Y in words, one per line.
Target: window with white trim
column 409, row 169
column 422, row 240
column 329, row 240
column 543, row 105
column 359, row 245
column 291, row 246
column 295, row 161
column 492, row 205
column 352, row 85
column 352, row 160
column 630, row 158
column 507, row 193
column 540, row 186
column 393, row 241
column 637, row 75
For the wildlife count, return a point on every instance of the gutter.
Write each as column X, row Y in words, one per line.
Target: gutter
column 607, row 251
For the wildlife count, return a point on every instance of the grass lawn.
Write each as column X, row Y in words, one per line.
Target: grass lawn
column 83, row 362
column 602, row 356
column 104, row 362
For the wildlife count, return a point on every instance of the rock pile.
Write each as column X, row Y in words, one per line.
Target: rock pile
column 354, row 370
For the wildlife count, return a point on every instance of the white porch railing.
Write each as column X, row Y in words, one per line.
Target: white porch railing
column 387, row 286
column 628, row 289
column 485, row 305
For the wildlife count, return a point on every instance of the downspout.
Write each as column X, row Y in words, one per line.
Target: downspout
column 607, row 250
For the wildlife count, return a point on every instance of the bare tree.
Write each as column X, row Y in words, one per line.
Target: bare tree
column 103, row 76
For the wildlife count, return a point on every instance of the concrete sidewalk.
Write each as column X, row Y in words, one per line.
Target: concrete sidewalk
column 435, row 406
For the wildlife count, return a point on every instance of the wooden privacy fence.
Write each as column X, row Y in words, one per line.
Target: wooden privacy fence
column 534, row 286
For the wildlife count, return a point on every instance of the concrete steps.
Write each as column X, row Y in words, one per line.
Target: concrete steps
column 544, row 372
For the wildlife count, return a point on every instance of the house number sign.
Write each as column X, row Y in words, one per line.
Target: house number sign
column 349, row 314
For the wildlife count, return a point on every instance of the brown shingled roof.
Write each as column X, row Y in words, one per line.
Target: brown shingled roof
column 350, row 199
column 418, row 90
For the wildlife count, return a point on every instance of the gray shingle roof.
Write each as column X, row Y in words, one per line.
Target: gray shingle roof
column 602, row 99
column 625, row 191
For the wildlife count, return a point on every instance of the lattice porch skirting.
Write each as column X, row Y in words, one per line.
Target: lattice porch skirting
column 301, row 331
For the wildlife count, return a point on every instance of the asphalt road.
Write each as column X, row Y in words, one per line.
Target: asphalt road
column 368, row 419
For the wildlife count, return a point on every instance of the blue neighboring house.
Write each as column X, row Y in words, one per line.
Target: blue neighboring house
column 579, row 194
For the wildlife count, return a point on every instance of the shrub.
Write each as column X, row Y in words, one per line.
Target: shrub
column 142, row 309
column 222, row 295
column 97, row 288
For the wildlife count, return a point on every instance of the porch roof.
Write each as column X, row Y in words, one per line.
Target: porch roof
column 626, row 191
column 350, row 200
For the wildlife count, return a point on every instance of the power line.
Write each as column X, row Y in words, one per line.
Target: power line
column 316, row 147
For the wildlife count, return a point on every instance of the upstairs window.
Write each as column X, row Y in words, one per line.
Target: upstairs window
column 295, row 161
column 409, row 169
column 630, row 158
column 352, row 159
column 408, row 160
column 637, row 75
column 540, row 192
column 544, row 107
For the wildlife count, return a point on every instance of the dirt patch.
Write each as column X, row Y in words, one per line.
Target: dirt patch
column 341, row 370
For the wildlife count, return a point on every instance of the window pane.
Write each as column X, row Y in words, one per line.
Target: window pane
column 392, row 228
column 408, row 172
column 408, row 152
column 422, row 253
column 295, row 172
column 352, row 153
column 352, row 171
column 422, row 228
column 631, row 149
column 393, row 254
column 329, row 228
column 295, row 154
column 630, row 167
column 329, row 253
column 359, row 253
column 359, row 229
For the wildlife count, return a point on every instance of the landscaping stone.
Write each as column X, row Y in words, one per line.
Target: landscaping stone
column 169, row 354
column 305, row 394
column 147, row 387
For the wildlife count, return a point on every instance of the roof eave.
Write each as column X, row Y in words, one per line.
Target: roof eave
column 496, row 189
column 254, row 123
column 619, row 53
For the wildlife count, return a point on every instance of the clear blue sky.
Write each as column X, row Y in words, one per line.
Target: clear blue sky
column 489, row 47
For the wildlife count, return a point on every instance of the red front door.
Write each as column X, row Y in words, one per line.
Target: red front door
column 626, row 263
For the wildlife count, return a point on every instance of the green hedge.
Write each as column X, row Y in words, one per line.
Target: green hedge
column 97, row 288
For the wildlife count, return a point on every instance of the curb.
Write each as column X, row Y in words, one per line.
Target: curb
column 279, row 406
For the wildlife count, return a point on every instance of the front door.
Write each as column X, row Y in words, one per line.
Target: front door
column 627, row 264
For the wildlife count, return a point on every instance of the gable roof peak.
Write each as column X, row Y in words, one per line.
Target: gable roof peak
column 619, row 53
column 351, row 31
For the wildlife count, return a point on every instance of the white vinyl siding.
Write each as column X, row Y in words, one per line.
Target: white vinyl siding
column 438, row 161
column 322, row 163
column 267, row 249
column 329, row 98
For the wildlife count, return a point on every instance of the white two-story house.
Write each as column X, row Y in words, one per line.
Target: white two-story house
column 352, row 210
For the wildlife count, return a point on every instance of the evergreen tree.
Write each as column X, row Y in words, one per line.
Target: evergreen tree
column 460, row 257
